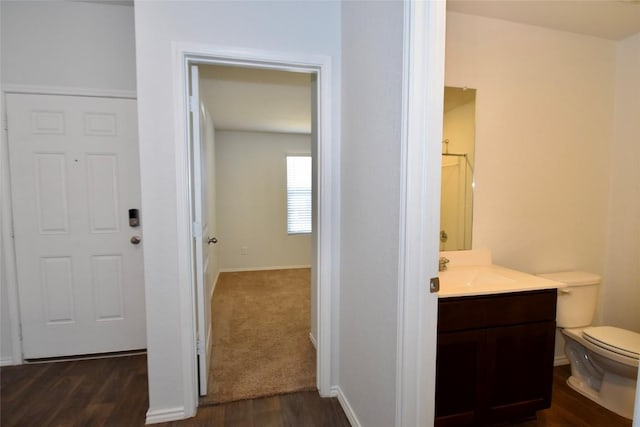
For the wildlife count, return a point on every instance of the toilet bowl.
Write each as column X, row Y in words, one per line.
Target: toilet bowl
column 604, row 359
column 602, row 369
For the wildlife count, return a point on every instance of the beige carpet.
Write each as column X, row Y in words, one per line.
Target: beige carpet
column 260, row 331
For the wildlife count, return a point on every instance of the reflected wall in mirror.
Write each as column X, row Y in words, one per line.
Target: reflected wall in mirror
column 458, row 159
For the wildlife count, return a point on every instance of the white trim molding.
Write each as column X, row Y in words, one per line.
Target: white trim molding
column 7, row 361
column 281, row 267
column 313, row 341
column 215, row 283
column 346, row 407
column 165, row 415
column 422, row 94
column 560, row 361
column 320, row 65
column 69, row 91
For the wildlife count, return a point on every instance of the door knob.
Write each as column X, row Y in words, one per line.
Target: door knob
column 135, row 240
column 212, row 240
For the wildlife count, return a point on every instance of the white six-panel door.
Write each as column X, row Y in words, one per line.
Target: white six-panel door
column 74, row 176
column 200, row 228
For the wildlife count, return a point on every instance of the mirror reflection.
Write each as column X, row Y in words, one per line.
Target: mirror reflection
column 458, row 159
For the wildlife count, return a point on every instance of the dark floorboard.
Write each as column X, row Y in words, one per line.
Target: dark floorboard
column 113, row 392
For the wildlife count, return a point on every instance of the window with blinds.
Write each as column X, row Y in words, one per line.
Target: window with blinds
column 298, row 194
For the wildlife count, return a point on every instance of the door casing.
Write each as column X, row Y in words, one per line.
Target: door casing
column 422, row 95
column 323, row 240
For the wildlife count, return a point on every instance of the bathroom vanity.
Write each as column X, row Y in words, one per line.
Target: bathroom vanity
column 495, row 357
column 496, row 333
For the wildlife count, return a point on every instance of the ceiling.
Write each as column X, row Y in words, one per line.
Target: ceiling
column 278, row 101
column 257, row 100
column 607, row 19
column 457, row 96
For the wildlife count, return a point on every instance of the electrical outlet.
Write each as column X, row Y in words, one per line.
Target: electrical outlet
column 244, row 250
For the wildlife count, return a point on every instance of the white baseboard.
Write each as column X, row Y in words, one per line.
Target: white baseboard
column 215, row 283
column 6, row 361
column 209, row 345
column 346, row 407
column 560, row 360
column 165, row 415
column 282, row 267
column 313, row 340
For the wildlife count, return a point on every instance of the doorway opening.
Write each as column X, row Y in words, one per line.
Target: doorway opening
column 253, row 255
column 316, row 69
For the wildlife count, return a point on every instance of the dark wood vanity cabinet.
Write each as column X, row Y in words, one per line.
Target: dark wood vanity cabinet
column 495, row 357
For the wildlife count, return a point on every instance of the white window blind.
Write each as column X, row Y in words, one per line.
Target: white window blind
column 298, row 194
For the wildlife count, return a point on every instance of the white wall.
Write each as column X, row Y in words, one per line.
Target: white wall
column 371, row 134
column 61, row 45
column 71, row 44
column 292, row 27
column 544, row 123
column 251, row 184
column 620, row 298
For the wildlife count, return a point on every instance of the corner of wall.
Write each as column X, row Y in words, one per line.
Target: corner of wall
column 346, row 406
column 165, row 415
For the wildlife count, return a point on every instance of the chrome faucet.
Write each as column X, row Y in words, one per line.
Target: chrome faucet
column 442, row 263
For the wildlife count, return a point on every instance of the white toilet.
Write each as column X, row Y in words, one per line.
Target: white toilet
column 604, row 359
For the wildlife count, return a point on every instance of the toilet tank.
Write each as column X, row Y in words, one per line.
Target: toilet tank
column 577, row 300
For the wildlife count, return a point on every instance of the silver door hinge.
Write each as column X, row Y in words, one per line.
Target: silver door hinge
column 197, row 230
column 199, row 346
column 434, row 284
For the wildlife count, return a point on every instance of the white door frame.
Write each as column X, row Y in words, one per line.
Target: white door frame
column 423, row 91
column 184, row 55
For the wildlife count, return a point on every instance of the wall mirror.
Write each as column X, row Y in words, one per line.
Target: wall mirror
column 458, row 159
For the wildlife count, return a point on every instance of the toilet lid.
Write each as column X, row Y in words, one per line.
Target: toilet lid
column 618, row 340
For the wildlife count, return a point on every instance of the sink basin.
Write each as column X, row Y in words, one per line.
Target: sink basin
column 473, row 276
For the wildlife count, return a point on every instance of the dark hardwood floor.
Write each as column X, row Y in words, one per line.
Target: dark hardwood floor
column 570, row 409
column 109, row 391
column 305, row 408
column 113, row 392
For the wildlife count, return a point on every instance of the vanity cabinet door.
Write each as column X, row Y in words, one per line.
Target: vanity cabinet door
column 520, row 360
column 495, row 357
column 458, row 377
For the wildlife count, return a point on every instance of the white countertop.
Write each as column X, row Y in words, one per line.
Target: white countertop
column 471, row 280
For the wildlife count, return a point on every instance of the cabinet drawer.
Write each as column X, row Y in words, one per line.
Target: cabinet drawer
column 486, row 311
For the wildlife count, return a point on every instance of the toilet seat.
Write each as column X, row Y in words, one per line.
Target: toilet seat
column 619, row 341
